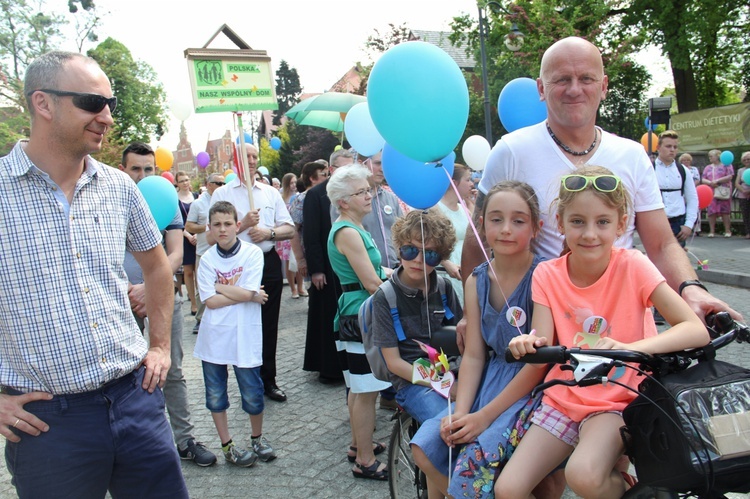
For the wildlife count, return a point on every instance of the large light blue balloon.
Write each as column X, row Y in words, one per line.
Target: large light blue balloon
column 726, row 158
column 418, row 184
column 519, row 105
column 161, row 197
column 418, row 100
column 361, row 132
column 275, row 143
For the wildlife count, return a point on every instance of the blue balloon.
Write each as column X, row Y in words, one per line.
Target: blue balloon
column 361, row 131
column 418, row 184
column 646, row 124
column 230, row 177
column 746, row 176
column 519, row 105
column 275, row 143
column 161, row 198
column 418, row 100
column 248, row 139
column 726, row 158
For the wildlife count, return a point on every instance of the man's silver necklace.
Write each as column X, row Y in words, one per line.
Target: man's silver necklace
column 568, row 149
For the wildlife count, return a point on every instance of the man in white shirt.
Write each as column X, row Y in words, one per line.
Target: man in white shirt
column 267, row 223
column 677, row 187
column 196, row 223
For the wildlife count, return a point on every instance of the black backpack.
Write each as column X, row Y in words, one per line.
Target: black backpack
column 713, row 419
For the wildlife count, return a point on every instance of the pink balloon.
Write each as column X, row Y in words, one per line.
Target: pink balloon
column 705, row 196
column 203, row 159
column 168, row 176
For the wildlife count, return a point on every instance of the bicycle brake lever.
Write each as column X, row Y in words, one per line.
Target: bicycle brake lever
column 552, row 382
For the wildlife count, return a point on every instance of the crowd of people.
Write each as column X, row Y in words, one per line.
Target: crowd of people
column 560, row 269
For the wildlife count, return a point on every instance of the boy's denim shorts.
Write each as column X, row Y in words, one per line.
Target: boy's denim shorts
column 248, row 379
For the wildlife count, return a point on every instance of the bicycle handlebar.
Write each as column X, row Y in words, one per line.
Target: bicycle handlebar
column 722, row 327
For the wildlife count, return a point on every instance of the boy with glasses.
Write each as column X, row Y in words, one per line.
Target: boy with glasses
column 424, row 239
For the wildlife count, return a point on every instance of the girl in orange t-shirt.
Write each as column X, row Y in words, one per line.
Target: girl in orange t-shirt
column 594, row 296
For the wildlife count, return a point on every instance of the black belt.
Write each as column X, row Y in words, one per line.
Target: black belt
column 677, row 218
column 352, row 287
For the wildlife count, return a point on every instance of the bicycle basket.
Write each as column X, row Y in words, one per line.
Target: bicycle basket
column 713, row 419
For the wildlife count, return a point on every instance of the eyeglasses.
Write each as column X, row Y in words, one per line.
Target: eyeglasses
column 409, row 253
column 217, row 183
column 602, row 183
column 91, row 103
column 323, row 174
column 362, row 193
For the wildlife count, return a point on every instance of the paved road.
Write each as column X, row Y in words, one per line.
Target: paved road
column 310, row 431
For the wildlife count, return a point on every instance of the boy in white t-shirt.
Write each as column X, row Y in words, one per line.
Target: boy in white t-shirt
column 230, row 332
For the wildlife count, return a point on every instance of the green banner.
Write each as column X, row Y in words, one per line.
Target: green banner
column 714, row 128
column 232, row 85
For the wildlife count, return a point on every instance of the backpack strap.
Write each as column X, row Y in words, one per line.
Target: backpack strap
column 441, row 288
column 390, row 297
column 683, row 176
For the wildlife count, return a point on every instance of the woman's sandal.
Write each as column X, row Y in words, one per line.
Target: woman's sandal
column 372, row 472
column 377, row 449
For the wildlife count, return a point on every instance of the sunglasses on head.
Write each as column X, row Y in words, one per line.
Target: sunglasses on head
column 409, row 253
column 91, row 103
column 602, row 183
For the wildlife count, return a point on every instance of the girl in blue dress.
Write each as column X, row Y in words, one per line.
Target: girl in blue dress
column 490, row 399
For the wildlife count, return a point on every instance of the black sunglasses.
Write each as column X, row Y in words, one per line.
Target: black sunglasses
column 409, row 253
column 218, row 183
column 91, row 103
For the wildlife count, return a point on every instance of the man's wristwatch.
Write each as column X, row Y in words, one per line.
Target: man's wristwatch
column 693, row 282
column 273, row 235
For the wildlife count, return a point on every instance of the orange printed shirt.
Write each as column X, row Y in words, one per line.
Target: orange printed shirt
column 616, row 306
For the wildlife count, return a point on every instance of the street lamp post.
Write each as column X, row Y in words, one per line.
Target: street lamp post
column 513, row 42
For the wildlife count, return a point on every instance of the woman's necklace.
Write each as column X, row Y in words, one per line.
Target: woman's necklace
column 568, row 149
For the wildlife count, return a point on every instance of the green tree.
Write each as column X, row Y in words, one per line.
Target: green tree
column 705, row 41
column 301, row 144
column 141, row 112
column 288, row 90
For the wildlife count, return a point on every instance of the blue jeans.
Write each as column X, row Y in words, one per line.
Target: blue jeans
column 248, row 379
column 420, row 402
column 676, row 223
column 116, row 438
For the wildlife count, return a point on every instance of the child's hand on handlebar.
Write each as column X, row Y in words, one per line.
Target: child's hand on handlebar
column 526, row 343
column 606, row 343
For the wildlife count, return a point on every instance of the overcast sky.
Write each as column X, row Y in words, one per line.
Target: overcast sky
column 322, row 39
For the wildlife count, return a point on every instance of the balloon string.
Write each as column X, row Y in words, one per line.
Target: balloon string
column 426, row 280
column 479, row 242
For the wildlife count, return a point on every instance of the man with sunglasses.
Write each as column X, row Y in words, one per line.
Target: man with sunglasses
column 196, row 223
column 573, row 84
column 80, row 406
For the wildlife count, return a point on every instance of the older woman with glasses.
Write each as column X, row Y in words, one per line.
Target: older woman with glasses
column 357, row 263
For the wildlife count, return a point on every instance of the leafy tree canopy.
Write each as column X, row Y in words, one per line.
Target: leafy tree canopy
column 141, row 111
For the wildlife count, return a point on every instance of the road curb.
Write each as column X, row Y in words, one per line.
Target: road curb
column 737, row 279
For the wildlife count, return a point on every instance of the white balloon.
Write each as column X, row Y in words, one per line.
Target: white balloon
column 475, row 151
column 181, row 110
column 263, row 170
